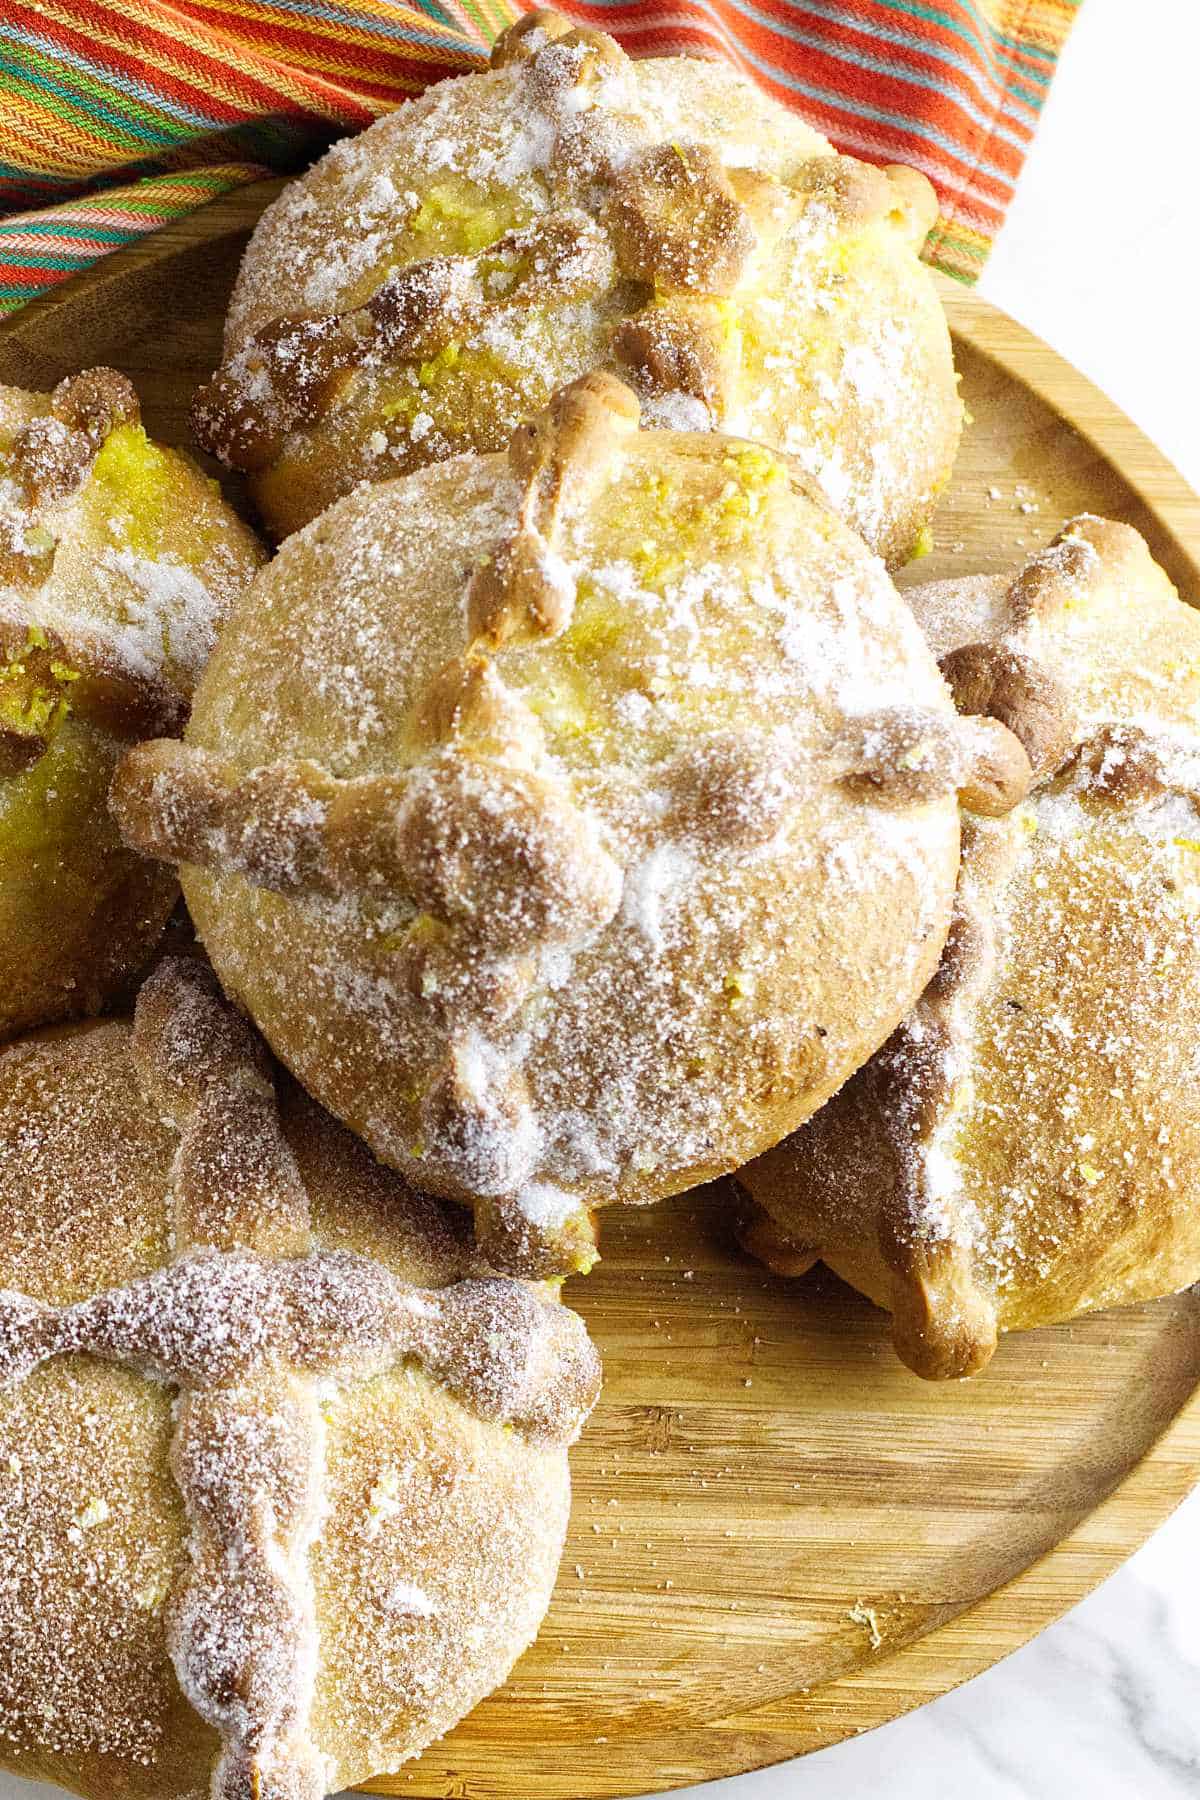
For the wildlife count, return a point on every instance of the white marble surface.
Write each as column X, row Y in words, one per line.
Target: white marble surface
column 1105, row 1704
column 1101, row 257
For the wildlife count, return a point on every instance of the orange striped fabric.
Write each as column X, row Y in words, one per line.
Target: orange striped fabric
column 117, row 115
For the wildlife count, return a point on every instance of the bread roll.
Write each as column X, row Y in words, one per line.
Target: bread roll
column 572, row 822
column 284, row 1471
column 1027, row 1145
column 428, row 285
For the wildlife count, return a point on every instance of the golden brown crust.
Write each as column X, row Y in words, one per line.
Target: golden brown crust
column 48, row 462
column 525, row 36
column 501, row 856
column 1024, row 1147
column 1015, row 690
column 908, row 756
column 256, row 1324
column 516, row 593
column 549, row 891
column 1064, row 650
column 676, row 222
column 78, row 664
column 52, row 455
column 116, row 560
column 298, row 367
column 292, row 828
column 673, row 350
column 80, row 914
column 632, row 245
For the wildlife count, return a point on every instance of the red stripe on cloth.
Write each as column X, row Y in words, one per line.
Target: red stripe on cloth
column 947, row 85
column 135, row 55
column 200, row 79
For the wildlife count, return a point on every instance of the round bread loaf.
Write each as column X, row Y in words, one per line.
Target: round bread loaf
column 285, row 1472
column 572, row 824
column 1027, row 1145
column 117, row 560
column 428, row 285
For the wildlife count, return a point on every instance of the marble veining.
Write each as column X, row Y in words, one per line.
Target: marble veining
column 1105, row 1703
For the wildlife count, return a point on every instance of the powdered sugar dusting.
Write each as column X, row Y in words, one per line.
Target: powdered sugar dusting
column 1024, row 1148
column 498, row 1025
column 831, row 345
column 131, row 563
column 173, row 616
column 260, row 1347
column 1089, row 1111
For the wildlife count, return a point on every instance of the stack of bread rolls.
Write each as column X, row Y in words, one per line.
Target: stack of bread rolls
column 569, row 811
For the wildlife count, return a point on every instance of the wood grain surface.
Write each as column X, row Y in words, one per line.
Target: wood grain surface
column 780, row 1537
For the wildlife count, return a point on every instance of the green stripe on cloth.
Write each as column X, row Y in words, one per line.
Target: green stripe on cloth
column 129, row 125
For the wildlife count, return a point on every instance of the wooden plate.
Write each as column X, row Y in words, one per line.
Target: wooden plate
column 780, row 1536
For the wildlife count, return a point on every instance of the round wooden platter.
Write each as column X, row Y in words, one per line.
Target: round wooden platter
column 780, row 1536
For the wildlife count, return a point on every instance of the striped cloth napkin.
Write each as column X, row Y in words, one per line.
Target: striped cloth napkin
column 118, row 115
